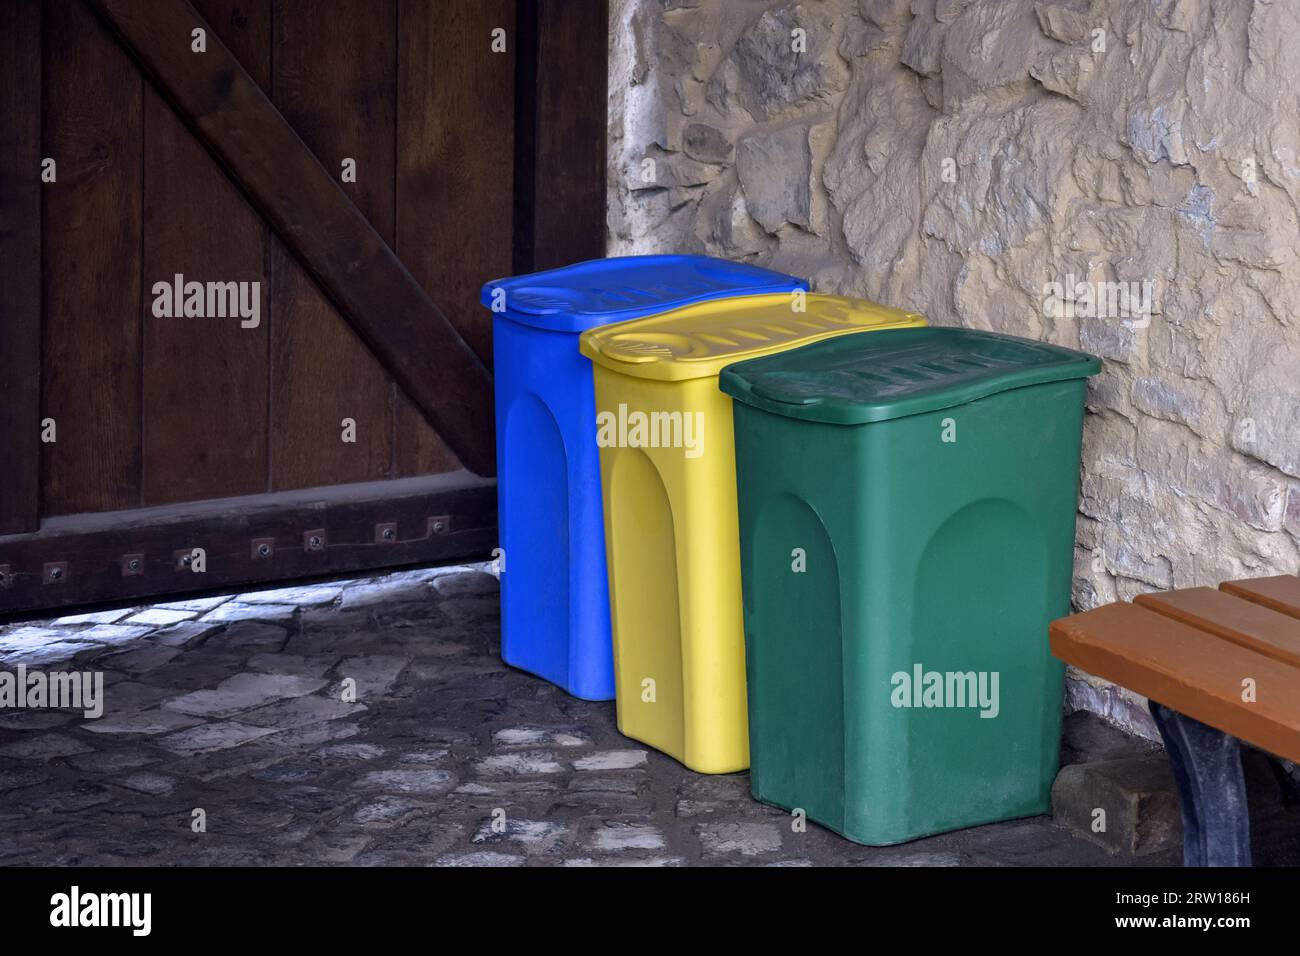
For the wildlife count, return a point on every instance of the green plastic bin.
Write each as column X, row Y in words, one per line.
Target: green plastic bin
column 907, row 503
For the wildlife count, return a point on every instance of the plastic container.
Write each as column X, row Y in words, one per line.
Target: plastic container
column 670, row 509
column 907, row 509
column 554, row 590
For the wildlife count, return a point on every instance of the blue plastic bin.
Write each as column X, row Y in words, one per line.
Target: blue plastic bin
column 554, row 590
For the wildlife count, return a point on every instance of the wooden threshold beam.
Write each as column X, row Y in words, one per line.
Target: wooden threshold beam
column 303, row 202
column 136, row 555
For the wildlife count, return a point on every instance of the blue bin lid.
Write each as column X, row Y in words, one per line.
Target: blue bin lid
column 582, row 296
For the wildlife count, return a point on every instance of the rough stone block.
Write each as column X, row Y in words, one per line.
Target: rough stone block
column 772, row 78
column 95, row 617
column 42, row 655
column 776, row 172
column 156, row 721
column 611, row 760
column 1267, row 429
column 743, row 838
column 706, row 144
column 311, row 594
column 619, row 836
column 1293, row 508
column 1129, row 805
column 429, row 782
column 243, row 692
column 44, row 747
column 158, row 616
column 541, row 737
column 237, row 611
column 209, row 737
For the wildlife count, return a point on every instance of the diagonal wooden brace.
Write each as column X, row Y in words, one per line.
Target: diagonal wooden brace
column 217, row 99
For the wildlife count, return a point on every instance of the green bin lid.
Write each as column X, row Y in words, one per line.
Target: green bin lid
column 877, row 376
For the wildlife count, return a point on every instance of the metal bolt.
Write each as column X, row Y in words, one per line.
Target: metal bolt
column 263, row 549
column 134, row 564
column 187, row 560
column 314, row 543
column 56, row 574
column 388, row 534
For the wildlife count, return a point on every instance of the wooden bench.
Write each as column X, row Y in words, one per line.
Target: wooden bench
column 1217, row 667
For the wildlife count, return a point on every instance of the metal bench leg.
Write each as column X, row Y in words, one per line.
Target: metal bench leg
column 1211, row 789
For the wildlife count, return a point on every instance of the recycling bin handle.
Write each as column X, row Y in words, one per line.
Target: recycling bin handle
column 614, row 356
column 644, row 348
column 771, row 396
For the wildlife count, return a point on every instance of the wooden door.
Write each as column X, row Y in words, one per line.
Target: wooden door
column 332, row 182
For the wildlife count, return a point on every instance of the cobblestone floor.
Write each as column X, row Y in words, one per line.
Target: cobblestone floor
column 235, row 707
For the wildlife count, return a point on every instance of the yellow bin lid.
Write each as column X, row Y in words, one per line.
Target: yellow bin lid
column 699, row 340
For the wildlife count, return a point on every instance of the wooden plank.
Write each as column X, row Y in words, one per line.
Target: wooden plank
column 455, row 156
column 96, row 547
column 1195, row 673
column 569, row 165
column 90, row 266
column 455, row 152
column 1250, row 625
column 1279, row 593
column 525, row 134
column 417, row 448
column 321, row 372
column 205, row 379
column 20, row 265
column 307, row 207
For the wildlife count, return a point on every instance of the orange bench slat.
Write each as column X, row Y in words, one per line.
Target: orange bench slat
column 1190, row 670
column 1280, row 593
column 1235, row 619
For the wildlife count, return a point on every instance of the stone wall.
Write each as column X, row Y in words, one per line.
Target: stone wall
column 960, row 157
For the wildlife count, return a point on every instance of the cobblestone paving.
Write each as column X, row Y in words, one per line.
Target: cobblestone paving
column 237, row 707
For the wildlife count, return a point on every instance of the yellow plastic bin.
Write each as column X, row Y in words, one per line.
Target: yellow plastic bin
column 668, row 474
